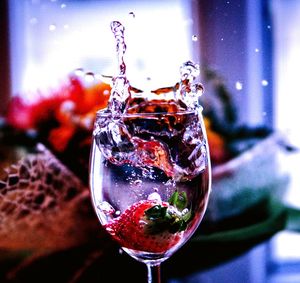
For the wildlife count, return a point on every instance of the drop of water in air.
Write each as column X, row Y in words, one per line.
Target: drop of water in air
column 238, row 85
column 79, row 72
column 52, row 27
column 132, row 14
column 89, row 77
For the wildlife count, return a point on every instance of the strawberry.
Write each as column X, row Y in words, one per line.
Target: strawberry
column 150, row 225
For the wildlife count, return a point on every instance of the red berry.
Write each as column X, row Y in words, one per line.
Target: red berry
column 130, row 230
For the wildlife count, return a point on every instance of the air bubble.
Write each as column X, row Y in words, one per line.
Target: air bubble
column 154, row 196
column 264, row 82
column 63, row 6
column 194, row 38
column 137, row 182
column 256, row 50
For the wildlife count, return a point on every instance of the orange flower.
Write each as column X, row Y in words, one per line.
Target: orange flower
column 59, row 137
column 58, row 115
column 217, row 144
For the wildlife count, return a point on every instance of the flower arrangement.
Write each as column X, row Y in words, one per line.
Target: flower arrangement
column 62, row 120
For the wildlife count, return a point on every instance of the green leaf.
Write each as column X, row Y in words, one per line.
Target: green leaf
column 179, row 200
column 173, row 198
column 156, row 212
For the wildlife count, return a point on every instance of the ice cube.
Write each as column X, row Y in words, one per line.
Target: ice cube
column 113, row 139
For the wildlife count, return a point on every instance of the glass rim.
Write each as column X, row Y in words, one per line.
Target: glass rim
column 103, row 113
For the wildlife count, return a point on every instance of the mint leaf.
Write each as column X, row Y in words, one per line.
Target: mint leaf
column 179, row 200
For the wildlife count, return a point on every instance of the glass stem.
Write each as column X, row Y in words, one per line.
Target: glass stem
column 153, row 273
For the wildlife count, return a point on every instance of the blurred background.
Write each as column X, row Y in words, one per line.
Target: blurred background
column 253, row 45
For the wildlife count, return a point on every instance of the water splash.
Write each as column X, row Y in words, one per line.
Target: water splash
column 120, row 93
column 189, row 71
column 185, row 93
column 118, row 30
column 189, row 92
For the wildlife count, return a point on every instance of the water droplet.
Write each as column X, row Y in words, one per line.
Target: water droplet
column 106, row 208
column 228, row 2
column 79, row 72
column 264, row 113
column 89, row 77
column 268, row 27
column 52, row 27
column 132, row 14
column 118, row 212
column 238, row 85
column 222, row 39
column 256, row 50
column 33, row 21
column 63, row 5
column 194, row 38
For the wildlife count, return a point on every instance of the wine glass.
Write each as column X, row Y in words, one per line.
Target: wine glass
column 150, row 179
